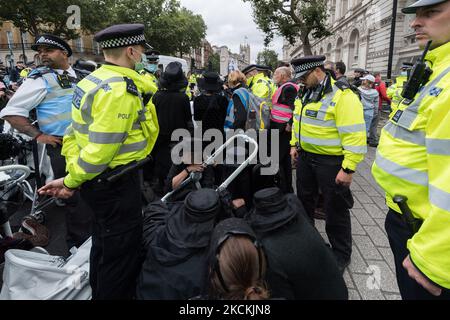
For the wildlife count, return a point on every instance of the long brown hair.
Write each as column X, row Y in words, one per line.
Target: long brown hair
column 239, row 271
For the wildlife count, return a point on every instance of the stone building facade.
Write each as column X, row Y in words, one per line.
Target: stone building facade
column 232, row 61
column 361, row 32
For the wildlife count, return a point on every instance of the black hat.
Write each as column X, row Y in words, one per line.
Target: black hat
column 304, row 64
column 122, row 35
column 210, row 81
column 228, row 227
column 191, row 226
column 51, row 41
column 273, row 209
column 173, row 77
column 153, row 55
column 258, row 67
column 420, row 4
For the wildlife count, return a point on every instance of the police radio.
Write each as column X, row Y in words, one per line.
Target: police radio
column 419, row 76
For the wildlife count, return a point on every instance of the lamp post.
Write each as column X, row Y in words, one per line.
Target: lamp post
column 23, row 48
column 392, row 41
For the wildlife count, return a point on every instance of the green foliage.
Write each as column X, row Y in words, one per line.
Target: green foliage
column 292, row 19
column 214, row 62
column 168, row 27
column 268, row 58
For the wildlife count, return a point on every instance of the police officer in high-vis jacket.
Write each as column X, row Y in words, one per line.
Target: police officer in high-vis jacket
column 114, row 126
column 394, row 92
column 413, row 163
column 329, row 140
column 49, row 90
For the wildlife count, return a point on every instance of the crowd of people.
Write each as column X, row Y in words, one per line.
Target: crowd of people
column 257, row 240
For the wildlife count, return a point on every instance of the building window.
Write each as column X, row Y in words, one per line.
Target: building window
column 78, row 45
column 354, row 48
column 339, row 44
column 9, row 38
column 344, row 7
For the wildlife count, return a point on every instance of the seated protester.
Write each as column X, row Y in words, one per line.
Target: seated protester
column 300, row 265
column 191, row 163
column 237, row 264
column 210, row 106
column 176, row 258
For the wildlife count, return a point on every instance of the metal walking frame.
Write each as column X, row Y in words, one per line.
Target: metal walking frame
column 195, row 177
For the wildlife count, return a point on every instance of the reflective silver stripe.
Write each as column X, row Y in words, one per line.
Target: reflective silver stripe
column 410, row 113
column 86, row 108
column 439, row 198
column 416, row 137
column 356, row 149
column 133, row 147
column 107, row 137
column 438, row 146
column 322, row 142
column 319, row 123
column 353, row 128
column 297, row 117
column 297, row 135
column 136, row 126
column 55, row 118
column 59, row 93
column 326, row 102
column 285, row 119
column 411, row 175
column 81, row 128
column 282, row 109
column 93, row 79
column 91, row 168
column 69, row 131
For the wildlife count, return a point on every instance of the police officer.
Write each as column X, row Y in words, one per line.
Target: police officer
column 330, row 131
column 394, row 92
column 413, row 161
column 112, row 128
column 257, row 81
column 151, row 68
column 49, row 90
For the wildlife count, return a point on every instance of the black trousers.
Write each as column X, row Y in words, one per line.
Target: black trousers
column 77, row 213
column 116, row 256
column 319, row 171
column 398, row 235
column 285, row 162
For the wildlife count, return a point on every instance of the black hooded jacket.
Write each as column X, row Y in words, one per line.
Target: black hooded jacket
column 300, row 265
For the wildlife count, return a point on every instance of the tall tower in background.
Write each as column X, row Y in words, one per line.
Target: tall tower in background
column 244, row 50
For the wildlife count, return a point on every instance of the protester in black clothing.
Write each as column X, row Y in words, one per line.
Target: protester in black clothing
column 173, row 111
column 300, row 265
column 237, row 264
column 177, row 247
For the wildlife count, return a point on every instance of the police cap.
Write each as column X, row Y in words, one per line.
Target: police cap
column 258, row 67
column 122, row 35
column 304, row 64
column 420, row 4
column 152, row 55
column 52, row 41
column 407, row 65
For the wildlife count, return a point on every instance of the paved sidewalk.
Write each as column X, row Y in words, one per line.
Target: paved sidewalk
column 371, row 274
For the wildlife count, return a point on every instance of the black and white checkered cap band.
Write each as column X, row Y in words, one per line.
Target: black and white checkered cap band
column 44, row 41
column 122, row 42
column 307, row 66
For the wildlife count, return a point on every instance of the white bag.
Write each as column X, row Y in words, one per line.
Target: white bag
column 35, row 276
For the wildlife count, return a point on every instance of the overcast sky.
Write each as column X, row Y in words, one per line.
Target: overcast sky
column 229, row 22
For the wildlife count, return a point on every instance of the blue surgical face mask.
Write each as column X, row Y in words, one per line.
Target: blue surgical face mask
column 140, row 66
column 151, row 67
column 404, row 73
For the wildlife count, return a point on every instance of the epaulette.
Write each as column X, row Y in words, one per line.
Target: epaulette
column 39, row 72
column 341, row 85
column 131, row 87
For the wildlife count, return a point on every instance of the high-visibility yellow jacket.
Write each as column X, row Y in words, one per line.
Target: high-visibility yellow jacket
column 110, row 124
column 394, row 92
column 413, row 160
column 333, row 126
column 152, row 81
column 296, row 122
column 261, row 86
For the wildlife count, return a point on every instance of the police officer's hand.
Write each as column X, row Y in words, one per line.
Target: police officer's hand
column 54, row 141
column 294, row 154
column 420, row 279
column 344, row 179
column 57, row 189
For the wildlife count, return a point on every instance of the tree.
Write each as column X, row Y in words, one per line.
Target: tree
column 51, row 16
column 291, row 19
column 214, row 62
column 268, row 58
